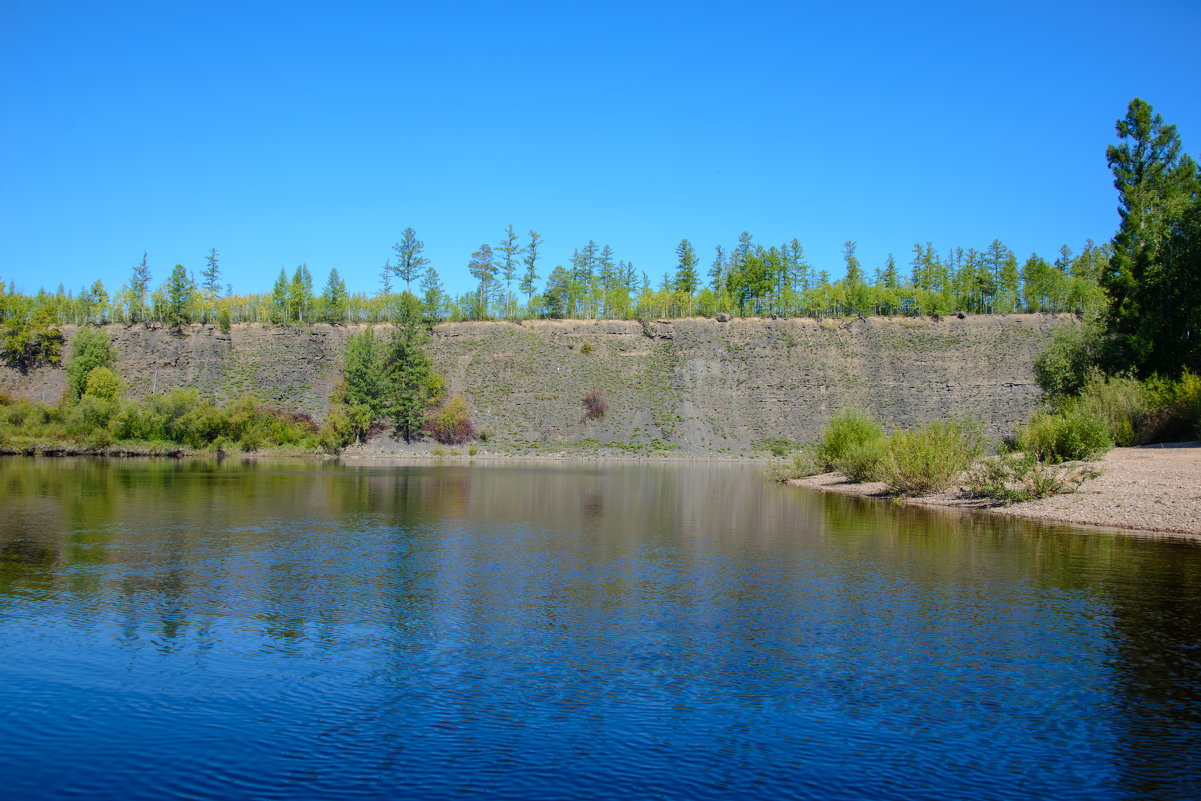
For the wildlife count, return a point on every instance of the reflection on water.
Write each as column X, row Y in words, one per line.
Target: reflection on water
column 237, row 630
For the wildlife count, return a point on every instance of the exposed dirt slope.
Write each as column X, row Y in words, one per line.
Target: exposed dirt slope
column 696, row 384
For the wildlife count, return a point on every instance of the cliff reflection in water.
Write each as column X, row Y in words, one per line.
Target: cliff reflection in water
column 537, row 630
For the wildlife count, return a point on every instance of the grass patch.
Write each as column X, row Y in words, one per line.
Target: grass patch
column 1013, row 478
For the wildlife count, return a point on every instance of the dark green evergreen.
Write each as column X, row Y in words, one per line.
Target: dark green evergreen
column 1153, row 319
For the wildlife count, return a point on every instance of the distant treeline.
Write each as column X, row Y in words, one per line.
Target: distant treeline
column 747, row 279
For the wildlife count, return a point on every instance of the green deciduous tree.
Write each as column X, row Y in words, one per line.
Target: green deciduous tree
column 90, row 348
column 300, row 294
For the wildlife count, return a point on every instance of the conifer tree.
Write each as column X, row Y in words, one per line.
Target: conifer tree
column 279, row 299
column 180, row 291
column 334, row 298
column 508, row 250
column 212, row 273
column 686, row 262
column 409, row 259
column 139, row 284
column 483, row 269
column 530, row 260
column 432, row 294
column 1153, row 323
column 409, row 370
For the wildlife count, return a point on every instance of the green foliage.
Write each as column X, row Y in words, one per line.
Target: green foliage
column 90, row 348
column 929, row 458
column 1069, row 360
column 183, row 417
column 1124, row 405
column 180, row 297
column 848, row 430
column 91, row 414
column 451, row 425
column 1071, row 435
column 803, row 463
column 103, row 383
column 1013, row 478
column 1176, row 409
column 863, row 461
column 363, row 368
column 28, row 339
column 1154, row 278
column 413, row 387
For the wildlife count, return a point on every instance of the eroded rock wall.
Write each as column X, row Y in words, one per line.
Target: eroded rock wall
column 697, row 384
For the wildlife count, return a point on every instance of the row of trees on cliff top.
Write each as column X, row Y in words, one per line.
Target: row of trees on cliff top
column 747, row 279
column 1145, row 279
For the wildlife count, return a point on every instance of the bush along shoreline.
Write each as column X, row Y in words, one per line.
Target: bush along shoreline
column 1049, row 455
column 388, row 381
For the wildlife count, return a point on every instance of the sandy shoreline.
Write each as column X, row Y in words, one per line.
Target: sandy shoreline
column 1154, row 488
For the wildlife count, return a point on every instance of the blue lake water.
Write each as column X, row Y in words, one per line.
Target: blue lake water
column 300, row 630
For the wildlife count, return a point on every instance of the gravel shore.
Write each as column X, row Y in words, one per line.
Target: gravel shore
column 1150, row 488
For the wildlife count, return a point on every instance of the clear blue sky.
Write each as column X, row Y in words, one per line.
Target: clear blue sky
column 283, row 133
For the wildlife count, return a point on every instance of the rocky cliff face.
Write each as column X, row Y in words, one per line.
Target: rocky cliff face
column 698, row 384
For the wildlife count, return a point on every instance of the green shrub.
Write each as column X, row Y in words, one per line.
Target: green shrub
column 1013, row 478
column 929, row 459
column 104, row 383
column 90, row 348
column 1068, row 361
column 862, row 462
column 27, row 342
column 91, row 414
column 805, row 462
column 451, row 425
column 1124, row 405
column 1176, row 409
column 1070, row 435
column 849, row 429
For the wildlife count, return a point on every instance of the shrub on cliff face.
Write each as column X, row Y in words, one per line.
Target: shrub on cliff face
column 594, row 405
column 451, row 425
